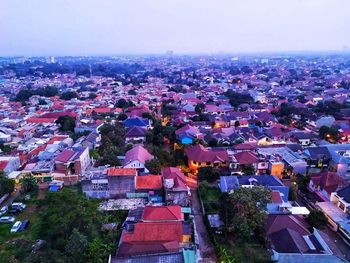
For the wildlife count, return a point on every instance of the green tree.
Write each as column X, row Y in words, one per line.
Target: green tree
column 92, row 95
column 29, row 184
column 317, row 219
column 292, row 196
column 67, row 123
column 208, row 174
column 329, row 133
column 76, row 246
column 122, row 117
column 68, row 95
column 244, row 211
column 153, row 166
column 6, row 185
column 302, row 182
column 248, row 169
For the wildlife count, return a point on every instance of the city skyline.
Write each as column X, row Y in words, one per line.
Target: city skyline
column 63, row 28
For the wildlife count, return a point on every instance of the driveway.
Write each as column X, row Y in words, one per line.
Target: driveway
column 206, row 248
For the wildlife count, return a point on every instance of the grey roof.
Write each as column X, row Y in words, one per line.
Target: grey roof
column 161, row 258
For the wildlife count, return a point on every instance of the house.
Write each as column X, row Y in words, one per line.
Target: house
column 144, row 238
column 325, row 183
column 279, row 192
column 137, row 158
column 9, row 164
column 139, row 122
column 135, row 135
column 162, row 213
column 187, row 134
column 198, row 157
column 72, row 163
column 152, row 185
column 317, row 157
column 175, row 186
column 291, row 241
column 337, row 211
column 154, row 230
column 242, row 159
column 121, row 181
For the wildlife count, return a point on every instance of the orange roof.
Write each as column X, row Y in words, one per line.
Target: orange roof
column 149, row 182
column 121, row 171
column 155, row 231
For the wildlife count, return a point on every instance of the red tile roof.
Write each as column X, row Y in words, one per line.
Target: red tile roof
column 154, row 231
column 121, row 172
column 246, row 158
column 3, row 165
column 149, row 182
column 64, row 156
column 200, row 154
column 162, row 213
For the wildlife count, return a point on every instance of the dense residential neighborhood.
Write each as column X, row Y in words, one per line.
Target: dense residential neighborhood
column 175, row 159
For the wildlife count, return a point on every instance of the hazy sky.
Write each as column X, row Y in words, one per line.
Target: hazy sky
column 98, row 27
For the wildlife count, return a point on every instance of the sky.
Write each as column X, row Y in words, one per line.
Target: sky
column 113, row 27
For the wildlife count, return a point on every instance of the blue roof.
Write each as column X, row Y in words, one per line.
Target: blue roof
column 228, row 183
column 135, row 122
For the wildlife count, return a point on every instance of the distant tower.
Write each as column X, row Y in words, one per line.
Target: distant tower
column 51, row 60
column 169, row 53
column 90, row 69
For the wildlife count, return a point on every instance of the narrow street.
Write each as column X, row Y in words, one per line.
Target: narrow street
column 206, row 248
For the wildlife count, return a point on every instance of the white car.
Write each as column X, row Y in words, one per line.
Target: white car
column 21, row 205
column 7, row 219
column 3, row 210
column 15, row 227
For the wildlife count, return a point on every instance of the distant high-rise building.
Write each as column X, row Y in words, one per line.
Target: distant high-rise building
column 51, row 59
column 169, row 53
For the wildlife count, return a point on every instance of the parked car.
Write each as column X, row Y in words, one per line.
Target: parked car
column 16, row 210
column 24, row 225
column 7, row 219
column 15, row 227
column 39, row 244
column 3, row 210
column 21, row 205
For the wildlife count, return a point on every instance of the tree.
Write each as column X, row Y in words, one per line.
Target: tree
column 92, row 95
column 208, row 174
column 29, row 184
column 317, row 219
column 69, row 95
column 302, row 182
column 244, row 211
column 6, row 185
column 122, row 117
column 329, row 133
column 67, row 123
column 248, row 169
column 132, row 92
column 76, row 246
column 122, row 103
column 292, row 196
column 199, row 108
column 153, row 166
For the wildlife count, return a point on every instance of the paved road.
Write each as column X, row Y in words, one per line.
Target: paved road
column 12, row 196
column 206, row 248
